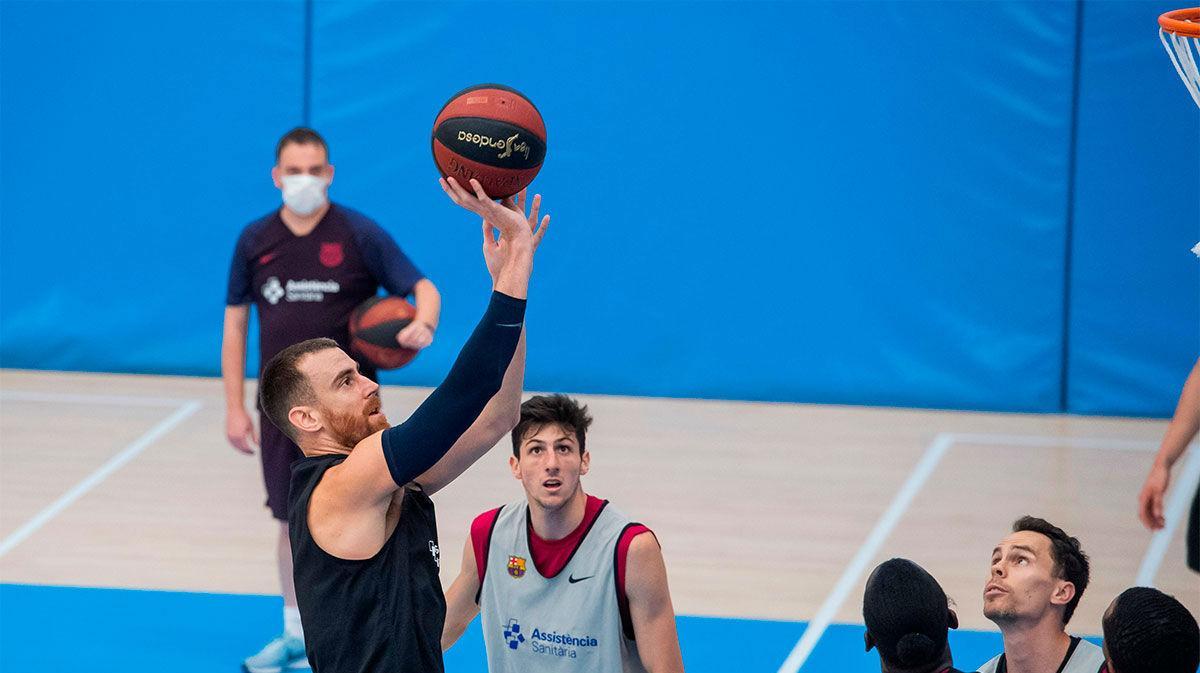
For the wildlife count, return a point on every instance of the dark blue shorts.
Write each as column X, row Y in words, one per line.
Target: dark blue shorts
column 277, row 453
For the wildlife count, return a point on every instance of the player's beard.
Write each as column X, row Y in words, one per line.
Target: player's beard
column 350, row 429
column 1000, row 613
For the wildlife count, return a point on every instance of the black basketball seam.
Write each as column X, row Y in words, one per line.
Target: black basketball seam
column 382, row 334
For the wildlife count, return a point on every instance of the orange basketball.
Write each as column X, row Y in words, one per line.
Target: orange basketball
column 373, row 329
column 491, row 133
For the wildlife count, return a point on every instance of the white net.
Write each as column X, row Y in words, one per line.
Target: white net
column 1185, row 54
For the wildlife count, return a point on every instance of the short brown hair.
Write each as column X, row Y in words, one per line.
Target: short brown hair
column 283, row 385
column 542, row 410
column 301, row 135
column 1070, row 563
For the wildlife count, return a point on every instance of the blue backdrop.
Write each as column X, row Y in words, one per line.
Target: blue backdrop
column 749, row 200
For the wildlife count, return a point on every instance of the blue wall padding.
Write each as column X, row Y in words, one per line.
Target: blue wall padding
column 137, row 137
column 1135, row 288
column 749, row 200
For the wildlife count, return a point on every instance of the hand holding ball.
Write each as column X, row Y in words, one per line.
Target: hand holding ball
column 493, row 134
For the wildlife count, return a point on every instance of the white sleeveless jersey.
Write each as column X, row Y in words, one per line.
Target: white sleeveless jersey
column 570, row 622
column 1083, row 657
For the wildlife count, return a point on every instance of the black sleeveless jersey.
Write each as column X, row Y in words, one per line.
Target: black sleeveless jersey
column 383, row 614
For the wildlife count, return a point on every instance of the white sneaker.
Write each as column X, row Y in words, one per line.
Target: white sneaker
column 285, row 653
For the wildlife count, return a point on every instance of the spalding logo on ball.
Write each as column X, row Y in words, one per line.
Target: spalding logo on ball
column 491, row 133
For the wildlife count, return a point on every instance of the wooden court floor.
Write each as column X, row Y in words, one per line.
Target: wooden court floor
column 764, row 510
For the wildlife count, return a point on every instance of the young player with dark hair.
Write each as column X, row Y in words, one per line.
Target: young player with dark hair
column 563, row 580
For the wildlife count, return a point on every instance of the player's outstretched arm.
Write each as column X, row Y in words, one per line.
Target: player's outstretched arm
column 499, row 417
column 650, row 606
column 353, row 497
column 1181, row 431
column 460, row 598
column 503, row 411
column 386, row 461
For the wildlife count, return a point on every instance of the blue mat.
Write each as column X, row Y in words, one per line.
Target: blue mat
column 49, row 628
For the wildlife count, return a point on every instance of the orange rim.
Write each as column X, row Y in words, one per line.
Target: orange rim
column 1182, row 22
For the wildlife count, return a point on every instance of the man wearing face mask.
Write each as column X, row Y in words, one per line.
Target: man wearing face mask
column 306, row 266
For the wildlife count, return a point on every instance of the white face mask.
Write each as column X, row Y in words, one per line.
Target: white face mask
column 303, row 193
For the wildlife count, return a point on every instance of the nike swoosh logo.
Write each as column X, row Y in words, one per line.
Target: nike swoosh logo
column 572, row 579
column 515, row 324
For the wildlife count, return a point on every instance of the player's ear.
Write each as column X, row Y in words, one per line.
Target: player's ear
column 585, row 461
column 277, row 176
column 515, row 465
column 305, row 419
column 1063, row 593
column 329, row 174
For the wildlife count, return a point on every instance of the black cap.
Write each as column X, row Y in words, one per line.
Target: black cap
column 906, row 614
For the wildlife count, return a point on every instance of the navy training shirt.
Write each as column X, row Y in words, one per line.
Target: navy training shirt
column 307, row 286
column 384, row 614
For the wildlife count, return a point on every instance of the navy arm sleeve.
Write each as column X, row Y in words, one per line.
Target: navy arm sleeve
column 238, row 291
column 418, row 443
column 384, row 259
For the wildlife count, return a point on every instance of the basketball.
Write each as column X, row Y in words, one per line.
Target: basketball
column 373, row 329
column 491, row 133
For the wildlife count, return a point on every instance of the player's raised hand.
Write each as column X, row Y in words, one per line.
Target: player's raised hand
column 509, row 235
column 495, row 251
column 538, row 229
column 509, row 221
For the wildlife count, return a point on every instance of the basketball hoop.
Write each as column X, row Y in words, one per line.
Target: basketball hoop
column 1180, row 34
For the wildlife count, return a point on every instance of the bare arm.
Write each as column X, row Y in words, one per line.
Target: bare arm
column 650, row 607
column 419, row 333
column 499, row 417
column 239, row 428
column 460, row 598
column 1185, row 423
column 1180, row 432
column 428, row 301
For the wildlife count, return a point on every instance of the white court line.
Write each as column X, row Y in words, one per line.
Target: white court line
column 933, row 455
column 1176, row 509
column 92, row 480
column 70, row 398
column 1056, row 442
column 883, row 528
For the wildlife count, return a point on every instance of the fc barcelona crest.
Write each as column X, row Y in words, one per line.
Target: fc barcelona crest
column 331, row 254
column 516, row 566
